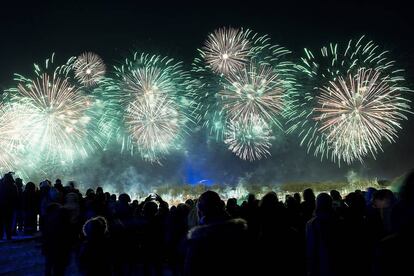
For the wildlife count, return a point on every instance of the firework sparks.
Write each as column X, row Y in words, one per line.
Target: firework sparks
column 89, row 69
column 356, row 103
column 249, row 139
column 358, row 113
column 57, row 116
column 13, row 137
column 254, row 91
column 147, row 80
column 153, row 104
column 154, row 123
column 255, row 80
column 226, row 50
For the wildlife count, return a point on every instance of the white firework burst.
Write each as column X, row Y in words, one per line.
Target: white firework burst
column 89, row 69
column 356, row 114
column 57, row 120
column 13, row 137
column 249, row 139
column 226, row 50
column 254, row 91
column 154, row 124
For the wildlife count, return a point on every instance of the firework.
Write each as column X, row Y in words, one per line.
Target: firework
column 150, row 99
column 12, row 138
column 255, row 91
column 89, row 69
column 55, row 120
column 355, row 104
column 358, row 113
column 154, row 123
column 249, row 139
column 259, row 81
column 226, row 50
column 57, row 116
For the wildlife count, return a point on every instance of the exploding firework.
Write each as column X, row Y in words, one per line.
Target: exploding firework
column 154, row 123
column 241, row 75
column 249, row 139
column 12, row 138
column 89, row 69
column 57, row 110
column 256, row 91
column 226, row 50
column 355, row 104
column 54, row 118
column 151, row 99
column 358, row 113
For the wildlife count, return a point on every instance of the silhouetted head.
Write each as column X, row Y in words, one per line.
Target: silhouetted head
column 19, row 183
column 335, row 195
column 183, row 209
column 406, row 191
column 90, row 193
column 95, row 228
column 356, row 202
column 210, row 205
column 30, row 187
column 150, row 209
column 113, row 197
column 231, row 203
column 323, row 204
column 8, row 179
column 189, row 202
column 124, row 198
column 99, row 191
column 269, row 200
column 58, row 186
column 383, row 199
column 291, row 203
column 308, row 195
column 164, row 205
column 107, row 196
column 72, row 184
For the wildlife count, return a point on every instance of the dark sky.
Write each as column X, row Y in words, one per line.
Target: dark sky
column 31, row 31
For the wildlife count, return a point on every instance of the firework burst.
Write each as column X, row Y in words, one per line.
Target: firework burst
column 358, row 113
column 152, row 102
column 258, row 82
column 154, row 123
column 255, row 91
column 89, row 69
column 226, row 50
column 354, row 104
column 249, row 139
column 57, row 116
column 13, row 137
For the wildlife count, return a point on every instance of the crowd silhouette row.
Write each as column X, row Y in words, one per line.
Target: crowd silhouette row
column 363, row 233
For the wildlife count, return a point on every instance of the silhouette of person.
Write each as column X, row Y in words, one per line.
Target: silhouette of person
column 8, row 202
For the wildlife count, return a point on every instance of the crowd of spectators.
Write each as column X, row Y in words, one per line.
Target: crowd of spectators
column 362, row 233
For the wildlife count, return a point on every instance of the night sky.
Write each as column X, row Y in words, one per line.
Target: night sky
column 30, row 32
